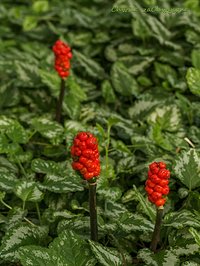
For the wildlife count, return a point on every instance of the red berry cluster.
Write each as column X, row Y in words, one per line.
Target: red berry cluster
column 62, row 58
column 157, row 183
column 85, row 155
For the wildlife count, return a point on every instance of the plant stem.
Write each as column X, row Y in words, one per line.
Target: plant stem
column 10, row 208
column 38, row 212
column 60, row 101
column 156, row 233
column 93, row 211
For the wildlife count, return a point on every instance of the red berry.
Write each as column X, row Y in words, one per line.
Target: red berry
column 149, row 190
column 162, row 165
column 165, row 190
column 153, row 165
column 160, row 202
column 163, row 182
column 158, row 188
column 82, row 136
column 155, row 179
column 149, row 183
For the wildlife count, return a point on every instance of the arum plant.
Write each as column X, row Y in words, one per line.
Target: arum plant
column 86, row 161
column 157, row 189
column 63, row 55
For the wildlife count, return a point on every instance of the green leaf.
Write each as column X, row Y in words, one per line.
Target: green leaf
column 107, row 92
column 75, row 90
column 71, row 106
column 8, row 180
column 167, row 117
column 92, row 68
column 48, row 129
column 17, row 133
column 30, row 23
column 181, row 219
column 196, row 58
column 187, row 168
column 106, row 256
column 62, row 184
column 68, row 249
column 52, row 80
column 195, row 234
column 122, row 81
column 27, row 72
column 2, row 195
column 28, row 191
column 40, row 6
column 19, row 236
column 142, row 108
column 146, row 206
column 193, row 80
column 130, row 222
column 45, row 166
column 36, row 256
column 162, row 258
column 14, row 217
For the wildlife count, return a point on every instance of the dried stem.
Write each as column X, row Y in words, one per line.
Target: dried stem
column 93, row 212
column 60, row 101
column 156, row 233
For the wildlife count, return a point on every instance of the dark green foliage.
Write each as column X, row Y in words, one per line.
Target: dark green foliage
column 135, row 84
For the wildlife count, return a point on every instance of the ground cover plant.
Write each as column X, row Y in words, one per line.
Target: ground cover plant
column 134, row 84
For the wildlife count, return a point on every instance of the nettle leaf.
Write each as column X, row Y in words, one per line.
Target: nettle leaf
column 28, row 191
column 68, row 249
column 36, row 256
column 2, row 195
column 62, row 184
column 106, row 256
column 17, row 133
column 19, row 236
column 92, row 68
column 187, row 168
column 145, row 205
column 71, row 106
column 28, row 73
column 45, row 166
column 122, row 81
column 193, row 80
column 108, row 92
column 168, row 117
column 162, row 258
column 48, row 129
column 195, row 234
column 130, row 222
column 8, row 180
column 80, row 225
column 196, row 58
column 181, row 219
column 14, row 217
column 142, row 108
column 75, row 89
column 29, row 23
column 52, row 80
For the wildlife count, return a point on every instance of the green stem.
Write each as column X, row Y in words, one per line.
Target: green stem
column 157, row 228
column 23, row 206
column 22, row 168
column 93, row 212
column 6, row 205
column 10, row 208
column 60, row 101
column 38, row 212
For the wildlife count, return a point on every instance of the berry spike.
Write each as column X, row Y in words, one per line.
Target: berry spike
column 85, row 155
column 157, row 182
